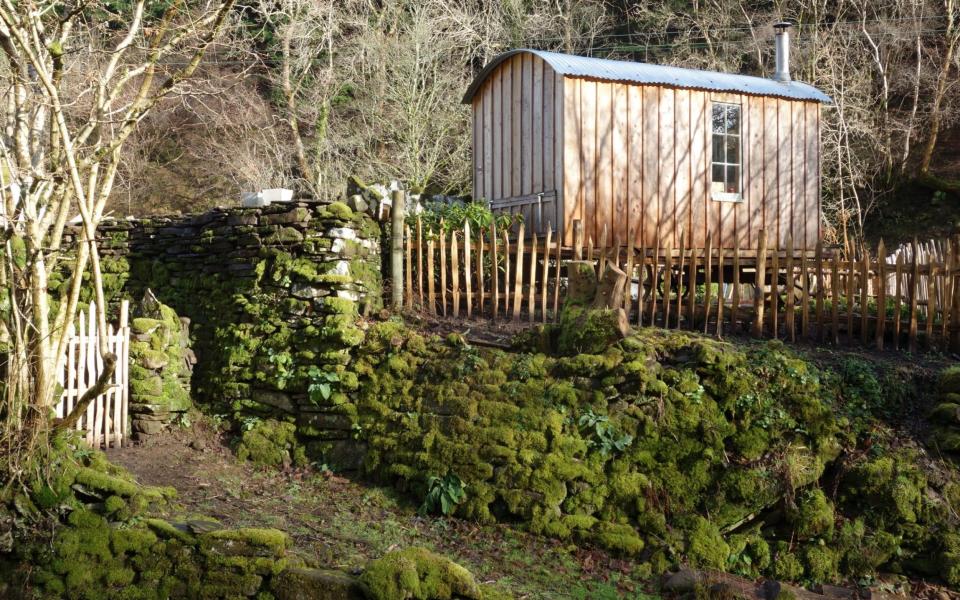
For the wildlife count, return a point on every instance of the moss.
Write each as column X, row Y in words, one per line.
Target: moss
column 316, row 584
column 417, row 573
column 947, row 413
column 246, row 542
column 144, row 325
column 813, row 515
column 949, row 380
column 585, row 331
column 705, row 546
column 135, row 540
column 114, row 504
column 141, row 390
column 102, row 482
column 339, row 210
column 167, row 530
column 271, row 443
column 821, row 562
column 618, row 537
column 865, row 551
column 342, row 306
column 891, row 484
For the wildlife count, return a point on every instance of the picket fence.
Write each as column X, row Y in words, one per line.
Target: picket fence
column 106, row 418
column 794, row 294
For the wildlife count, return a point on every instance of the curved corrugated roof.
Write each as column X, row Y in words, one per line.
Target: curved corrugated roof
column 635, row 72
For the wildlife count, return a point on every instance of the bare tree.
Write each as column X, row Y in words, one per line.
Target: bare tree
column 65, row 126
column 951, row 38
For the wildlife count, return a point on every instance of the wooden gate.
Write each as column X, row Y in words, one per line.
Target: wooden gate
column 105, row 421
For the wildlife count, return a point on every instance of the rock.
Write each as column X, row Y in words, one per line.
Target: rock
column 326, row 421
column 684, row 580
column 148, row 427
column 357, row 203
column 343, row 232
column 342, row 455
column 307, row 292
column 418, row 573
column 298, row 215
column 315, row 584
column 275, row 399
column 244, row 218
column 947, row 413
column 284, row 235
column 246, row 542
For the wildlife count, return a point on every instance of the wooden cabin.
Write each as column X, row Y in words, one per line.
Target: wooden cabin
column 647, row 150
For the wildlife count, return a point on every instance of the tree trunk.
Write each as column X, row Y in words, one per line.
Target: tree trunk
column 936, row 117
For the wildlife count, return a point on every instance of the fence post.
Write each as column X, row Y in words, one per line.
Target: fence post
column 759, row 284
column 914, row 283
column 577, row 239
column 397, row 211
column 955, row 300
column 881, row 294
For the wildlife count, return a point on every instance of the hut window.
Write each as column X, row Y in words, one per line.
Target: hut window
column 726, row 162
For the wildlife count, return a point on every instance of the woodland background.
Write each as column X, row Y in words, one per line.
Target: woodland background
column 304, row 93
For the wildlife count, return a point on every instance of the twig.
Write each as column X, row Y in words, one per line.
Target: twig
column 103, row 382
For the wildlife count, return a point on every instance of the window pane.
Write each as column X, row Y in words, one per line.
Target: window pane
column 733, row 149
column 718, row 155
column 718, row 173
column 719, row 125
column 733, row 119
column 733, row 179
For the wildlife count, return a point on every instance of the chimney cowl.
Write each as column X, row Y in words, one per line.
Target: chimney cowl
column 782, row 40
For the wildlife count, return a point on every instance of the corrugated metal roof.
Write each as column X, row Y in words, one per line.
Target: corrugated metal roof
column 620, row 70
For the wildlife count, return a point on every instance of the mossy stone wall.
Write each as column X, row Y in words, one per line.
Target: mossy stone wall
column 665, row 447
column 273, row 295
column 161, row 363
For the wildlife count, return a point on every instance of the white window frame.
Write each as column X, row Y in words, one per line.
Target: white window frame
column 726, row 196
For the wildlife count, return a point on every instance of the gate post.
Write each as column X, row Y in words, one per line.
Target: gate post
column 397, row 214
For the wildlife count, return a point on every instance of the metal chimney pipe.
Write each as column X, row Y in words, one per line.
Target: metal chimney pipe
column 783, row 51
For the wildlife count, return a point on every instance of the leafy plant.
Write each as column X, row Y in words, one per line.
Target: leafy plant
column 321, row 384
column 454, row 214
column 282, row 363
column 470, row 361
column 444, row 494
column 601, row 434
column 248, row 423
column 182, row 420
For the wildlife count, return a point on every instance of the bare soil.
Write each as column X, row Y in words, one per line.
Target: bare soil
column 339, row 523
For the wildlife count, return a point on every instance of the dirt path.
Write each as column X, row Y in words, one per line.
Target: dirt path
column 337, row 522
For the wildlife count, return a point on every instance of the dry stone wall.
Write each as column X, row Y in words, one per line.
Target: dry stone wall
column 273, row 296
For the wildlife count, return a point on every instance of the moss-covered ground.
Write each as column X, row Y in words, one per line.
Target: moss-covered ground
column 342, row 523
column 586, row 476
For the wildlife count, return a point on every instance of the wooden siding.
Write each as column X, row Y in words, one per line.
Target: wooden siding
column 636, row 159
column 663, row 190
column 517, row 143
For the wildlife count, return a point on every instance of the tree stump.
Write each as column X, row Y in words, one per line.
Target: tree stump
column 592, row 316
column 581, row 283
column 609, row 291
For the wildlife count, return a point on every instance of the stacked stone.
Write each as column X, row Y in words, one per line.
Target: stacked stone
column 945, row 418
column 161, row 363
column 274, row 297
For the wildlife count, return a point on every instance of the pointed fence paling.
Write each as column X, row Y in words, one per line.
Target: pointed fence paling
column 106, row 418
column 905, row 300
